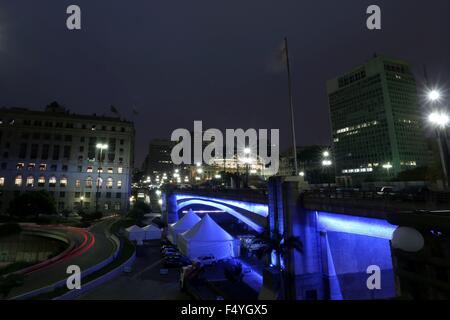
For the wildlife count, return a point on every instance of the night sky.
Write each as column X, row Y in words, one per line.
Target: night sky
column 177, row 61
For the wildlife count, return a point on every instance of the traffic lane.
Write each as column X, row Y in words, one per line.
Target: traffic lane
column 99, row 249
column 143, row 282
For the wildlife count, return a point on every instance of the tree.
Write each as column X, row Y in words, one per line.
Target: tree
column 32, row 203
column 138, row 211
column 281, row 246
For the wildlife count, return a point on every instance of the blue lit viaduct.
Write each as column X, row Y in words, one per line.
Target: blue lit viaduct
column 339, row 243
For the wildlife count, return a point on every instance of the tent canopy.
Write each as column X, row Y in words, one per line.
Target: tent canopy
column 134, row 229
column 207, row 230
column 150, row 227
column 186, row 222
column 205, row 238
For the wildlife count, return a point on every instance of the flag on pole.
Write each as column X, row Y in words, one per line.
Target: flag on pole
column 279, row 59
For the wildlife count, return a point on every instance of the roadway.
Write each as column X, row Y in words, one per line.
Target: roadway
column 92, row 246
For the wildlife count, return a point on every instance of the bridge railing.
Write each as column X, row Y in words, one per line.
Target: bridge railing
column 260, row 195
column 430, row 197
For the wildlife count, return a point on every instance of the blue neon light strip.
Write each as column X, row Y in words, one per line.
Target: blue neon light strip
column 223, row 207
column 355, row 225
column 259, row 209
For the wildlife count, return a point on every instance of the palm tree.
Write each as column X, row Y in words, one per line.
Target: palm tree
column 281, row 246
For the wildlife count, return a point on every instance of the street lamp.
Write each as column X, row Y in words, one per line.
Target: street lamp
column 81, row 203
column 387, row 166
column 100, row 147
column 326, row 162
column 440, row 120
column 434, row 95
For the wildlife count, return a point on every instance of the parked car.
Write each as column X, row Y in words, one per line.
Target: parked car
column 416, row 193
column 167, row 247
column 172, row 254
column 386, row 191
column 176, row 262
column 205, row 260
column 256, row 245
column 169, row 251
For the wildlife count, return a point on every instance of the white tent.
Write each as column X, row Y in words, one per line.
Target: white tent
column 206, row 238
column 135, row 233
column 151, row 232
column 185, row 223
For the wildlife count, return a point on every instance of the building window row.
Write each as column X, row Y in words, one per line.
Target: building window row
column 63, row 182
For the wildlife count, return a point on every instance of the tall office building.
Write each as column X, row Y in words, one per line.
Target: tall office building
column 58, row 151
column 159, row 160
column 376, row 121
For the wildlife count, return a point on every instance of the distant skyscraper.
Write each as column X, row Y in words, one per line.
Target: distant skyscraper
column 376, row 120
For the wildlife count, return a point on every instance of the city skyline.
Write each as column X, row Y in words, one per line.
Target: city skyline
column 174, row 70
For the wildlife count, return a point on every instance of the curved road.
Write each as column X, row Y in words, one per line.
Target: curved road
column 91, row 248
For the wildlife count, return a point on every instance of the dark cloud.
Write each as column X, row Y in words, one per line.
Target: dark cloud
column 177, row 61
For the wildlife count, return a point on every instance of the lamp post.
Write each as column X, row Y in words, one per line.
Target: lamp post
column 440, row 121
column 247, row 163
column 388, row 166
column 326, row 163
column 81, row 203
column 100, row 147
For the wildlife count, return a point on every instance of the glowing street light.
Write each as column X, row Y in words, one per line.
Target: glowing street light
column 326, row 163
column 434, row 95
column 387, row 166
column 301, row 173
column 326, row 154
column 247, row 151
column 101, row 147
column 439, row 119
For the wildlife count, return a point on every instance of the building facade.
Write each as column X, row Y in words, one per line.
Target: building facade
column 158, row 160
column 310, row 163
column 58, row 151
column 376, row 121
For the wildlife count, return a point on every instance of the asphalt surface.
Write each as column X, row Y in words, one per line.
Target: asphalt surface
column 143, row 282
column 93, row 247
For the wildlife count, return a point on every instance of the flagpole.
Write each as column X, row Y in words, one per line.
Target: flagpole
column 291, row 105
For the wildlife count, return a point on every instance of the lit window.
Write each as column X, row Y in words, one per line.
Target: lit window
column 30, row 181
column 2, row 181
column 119, row 184
column 119, row 170
column 18, row 181
column 109, row 183
column 52, row 181
column 42, row 167
column 31, row 166
column 63, row 182
column 89, row 169
column 77, row 183
column 110, row 170
column 88, row 182
column 20, row 166
column 100, row 170
column 41, row 181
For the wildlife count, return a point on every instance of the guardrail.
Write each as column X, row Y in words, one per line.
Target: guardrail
column 431, row 196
